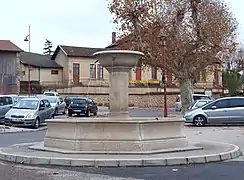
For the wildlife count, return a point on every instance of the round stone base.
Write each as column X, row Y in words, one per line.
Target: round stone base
column 211, row 152
column 115, row 135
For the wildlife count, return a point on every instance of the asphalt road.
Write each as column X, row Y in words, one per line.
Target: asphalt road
column 232, row 170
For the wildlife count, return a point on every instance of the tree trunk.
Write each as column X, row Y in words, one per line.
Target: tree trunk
column 186, row 93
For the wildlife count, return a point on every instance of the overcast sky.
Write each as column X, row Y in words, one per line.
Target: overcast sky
column 85, row 23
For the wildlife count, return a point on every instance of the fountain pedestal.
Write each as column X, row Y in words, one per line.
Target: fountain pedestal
column 118, row 133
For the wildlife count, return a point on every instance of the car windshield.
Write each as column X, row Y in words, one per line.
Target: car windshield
column 79, row 101
column 52, row 100
column 26, row 104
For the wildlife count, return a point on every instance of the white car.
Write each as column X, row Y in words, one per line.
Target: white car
column 199, row 103
column 50, row 93
column 178, row 103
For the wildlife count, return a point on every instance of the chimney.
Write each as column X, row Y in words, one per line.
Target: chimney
column 113, row 37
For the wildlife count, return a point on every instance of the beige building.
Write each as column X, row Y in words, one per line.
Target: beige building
column 42, row 69
column 80, row 67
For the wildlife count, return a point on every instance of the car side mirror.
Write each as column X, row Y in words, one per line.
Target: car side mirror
column 213, row 107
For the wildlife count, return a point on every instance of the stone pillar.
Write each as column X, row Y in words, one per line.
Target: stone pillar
column 118, row 91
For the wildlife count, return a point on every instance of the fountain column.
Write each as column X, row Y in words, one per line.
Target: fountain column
column 118, row 65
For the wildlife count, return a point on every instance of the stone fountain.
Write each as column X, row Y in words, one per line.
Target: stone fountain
column 117, row 133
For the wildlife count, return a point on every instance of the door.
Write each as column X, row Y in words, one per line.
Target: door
column 42, row 111
column 236, row 113
column 7, row 104
column 76, row 72
column 93, row 106
column 61, row 105
column 138, row 73
column 218, row 111
column 48, row 110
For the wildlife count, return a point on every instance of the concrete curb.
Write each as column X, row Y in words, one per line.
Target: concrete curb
column 35, row 160
column 24, row 130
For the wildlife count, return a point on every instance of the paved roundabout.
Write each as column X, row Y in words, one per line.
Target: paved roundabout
column 230, row 169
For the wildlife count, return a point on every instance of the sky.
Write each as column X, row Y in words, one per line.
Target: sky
column 86, row 23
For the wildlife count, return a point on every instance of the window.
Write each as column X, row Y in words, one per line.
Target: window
column 92, row 71
column 5, row 101
column 201, row 103
column 203, row 75
column 42, row 104
column 48, row 105
column 222, row 104
column 154, row 72
column 99, row 71
column 237, row 102
column 54, row 72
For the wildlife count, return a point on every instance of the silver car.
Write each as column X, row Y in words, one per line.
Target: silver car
column 226, row 110
column 29, row 112
column 58, row 104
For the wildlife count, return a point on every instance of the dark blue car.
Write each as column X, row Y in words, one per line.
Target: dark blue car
column 84, row 106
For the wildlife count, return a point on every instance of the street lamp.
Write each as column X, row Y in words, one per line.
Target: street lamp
column 28, row 39
column 162, row 38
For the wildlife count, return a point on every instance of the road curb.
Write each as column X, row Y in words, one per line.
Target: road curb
column 35, row 160
column 24, row 130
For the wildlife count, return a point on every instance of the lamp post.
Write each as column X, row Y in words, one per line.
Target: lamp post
column 28, row 39
column 164, row 77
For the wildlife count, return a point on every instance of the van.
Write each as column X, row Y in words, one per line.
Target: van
column 50, row 93
column 178, row 103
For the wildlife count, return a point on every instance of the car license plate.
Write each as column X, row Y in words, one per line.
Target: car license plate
column 16, row 120
column 77, row 110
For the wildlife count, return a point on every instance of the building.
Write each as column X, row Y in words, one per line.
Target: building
column 42, row 68
column 9, row 67
column 79, row 65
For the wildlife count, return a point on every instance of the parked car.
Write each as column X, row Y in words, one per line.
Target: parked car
column 199, row 103
column 226, row 110
column 50, row 93
column 29, row 112
column 68, row 99
column 178, row 103
column 58, row 104
column 82, row 106
column 6, row 103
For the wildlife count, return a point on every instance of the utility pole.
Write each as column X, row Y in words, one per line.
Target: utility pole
column 28, row 39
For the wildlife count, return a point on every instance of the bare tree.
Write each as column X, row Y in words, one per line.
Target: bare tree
column 199, row 33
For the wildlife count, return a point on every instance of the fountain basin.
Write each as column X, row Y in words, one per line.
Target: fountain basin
column 115, row 135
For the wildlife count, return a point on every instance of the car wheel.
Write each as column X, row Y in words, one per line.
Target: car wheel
column 88, row 113
column 95, row 113
column 36, row 123
column 200, row 121
column 56, row 112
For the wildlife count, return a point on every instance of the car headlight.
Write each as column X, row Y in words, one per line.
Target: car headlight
column 30, row 115
column 7, row 115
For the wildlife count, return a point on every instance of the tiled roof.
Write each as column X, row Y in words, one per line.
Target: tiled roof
column 38, row 60
column 6, row 45
column 74, row 51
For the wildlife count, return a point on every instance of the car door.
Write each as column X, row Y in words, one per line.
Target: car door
column 2, row 114
column 236, row 113
column 42, row 112
column 7, row 104
column 218, row 111
column 61, row 105
column 48, row 109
